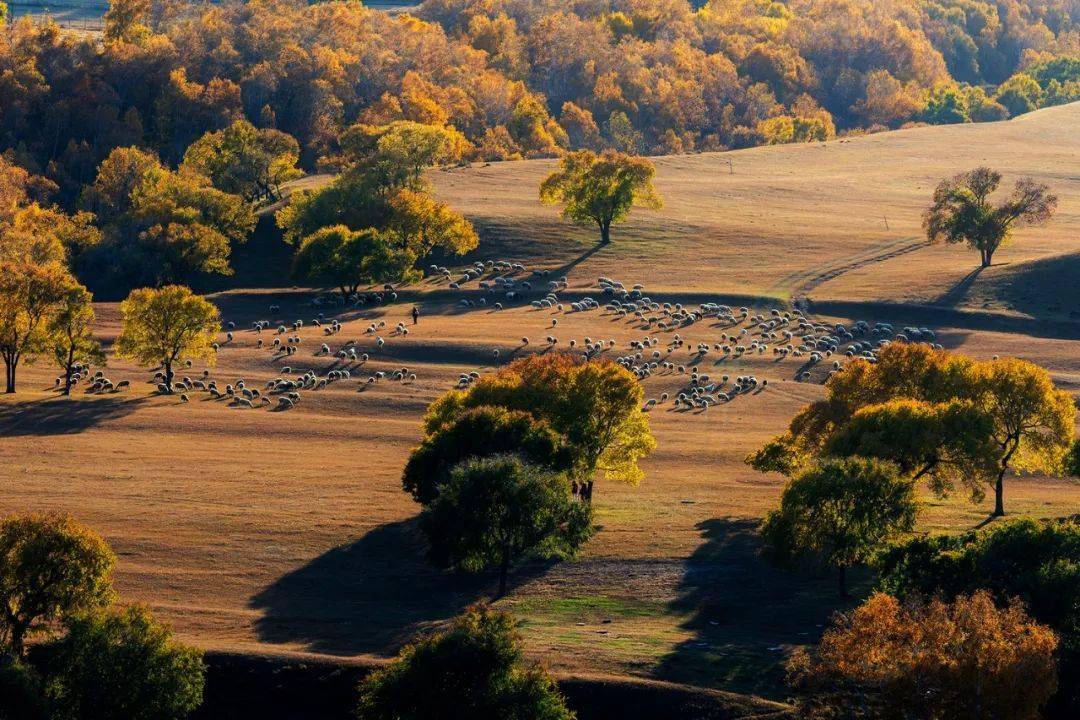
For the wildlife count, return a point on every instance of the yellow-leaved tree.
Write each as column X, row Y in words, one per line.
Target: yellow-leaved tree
column 594, row 406
column 938, row 416
column 163, row 325
column 600, row 189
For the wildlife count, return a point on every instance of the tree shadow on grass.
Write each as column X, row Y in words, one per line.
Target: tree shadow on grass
column 372, row 595
column 62, row 415
column 958, row 293
column 1040, row 288
column 747, row 614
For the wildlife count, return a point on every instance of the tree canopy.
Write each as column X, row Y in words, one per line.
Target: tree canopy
column 494, row 510
column 937, row 415
column 595, row 406
column 600, row 189
column 842, row 511
column 51, row 570
column 90, row 661
column 480, row 432
column 523, row 78
column 961, row 211
column 160, row 226
column 1030, row 560
column 122, row 664
column 161, row 326
column 71, row 331
column 31, row 294
column 244, row 160
column 474, row 668
column 348, row 259
column 964, row 659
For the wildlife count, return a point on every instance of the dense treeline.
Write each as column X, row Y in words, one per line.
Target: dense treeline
column 523, row 77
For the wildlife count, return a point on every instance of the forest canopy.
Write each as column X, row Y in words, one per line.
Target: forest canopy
column 523, row 78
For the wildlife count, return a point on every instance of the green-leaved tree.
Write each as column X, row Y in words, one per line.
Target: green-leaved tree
column 51, row 570
column 841, row 511
column 495, row 510
column 600, row 189
column 475, row 668
column 962, row 211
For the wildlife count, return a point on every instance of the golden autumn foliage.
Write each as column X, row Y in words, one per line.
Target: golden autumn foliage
column 938, row 415
column 524, row 78
column 161, row 326
column 964, row 660
column 595, row 406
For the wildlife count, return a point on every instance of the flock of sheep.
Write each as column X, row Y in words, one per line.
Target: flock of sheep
column 663, row 347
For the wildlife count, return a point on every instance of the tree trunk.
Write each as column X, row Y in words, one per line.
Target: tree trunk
column 67, row 370
column 504, row 570
column 9, row 374
column 1003, row 467
column 605, row 232
column 987, row 257
column 18, row 639
column 168, row 377
column 842, row 581
column 999, row 494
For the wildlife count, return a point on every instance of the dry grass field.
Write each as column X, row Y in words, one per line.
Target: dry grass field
column 257, row 530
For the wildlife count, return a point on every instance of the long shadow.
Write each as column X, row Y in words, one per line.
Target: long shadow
column 370, row 596
column 567, row 267
column 746, row 614
column 1041, row 288
column 959, row 292
column 62, row 416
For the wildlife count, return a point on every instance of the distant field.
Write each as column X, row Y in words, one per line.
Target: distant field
column 256, row 530
column 90, row 15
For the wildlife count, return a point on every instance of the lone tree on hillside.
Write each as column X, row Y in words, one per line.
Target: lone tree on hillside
column 961, row 210
column 163, row 325
column 841, row 510
column 475, row 668
column 495, row 510
column 601, row 188
column 51, row 570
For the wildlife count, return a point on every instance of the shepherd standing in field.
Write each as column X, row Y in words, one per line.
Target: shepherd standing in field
column 415, row 315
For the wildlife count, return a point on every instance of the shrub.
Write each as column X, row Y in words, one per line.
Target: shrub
column 473, row 669
column 1037, row 561
column 964, row 660
column 124, row 665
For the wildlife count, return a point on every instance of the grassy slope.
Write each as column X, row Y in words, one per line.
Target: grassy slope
column 254, row 529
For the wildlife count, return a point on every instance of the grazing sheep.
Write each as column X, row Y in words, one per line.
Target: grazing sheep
column 183, row 398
